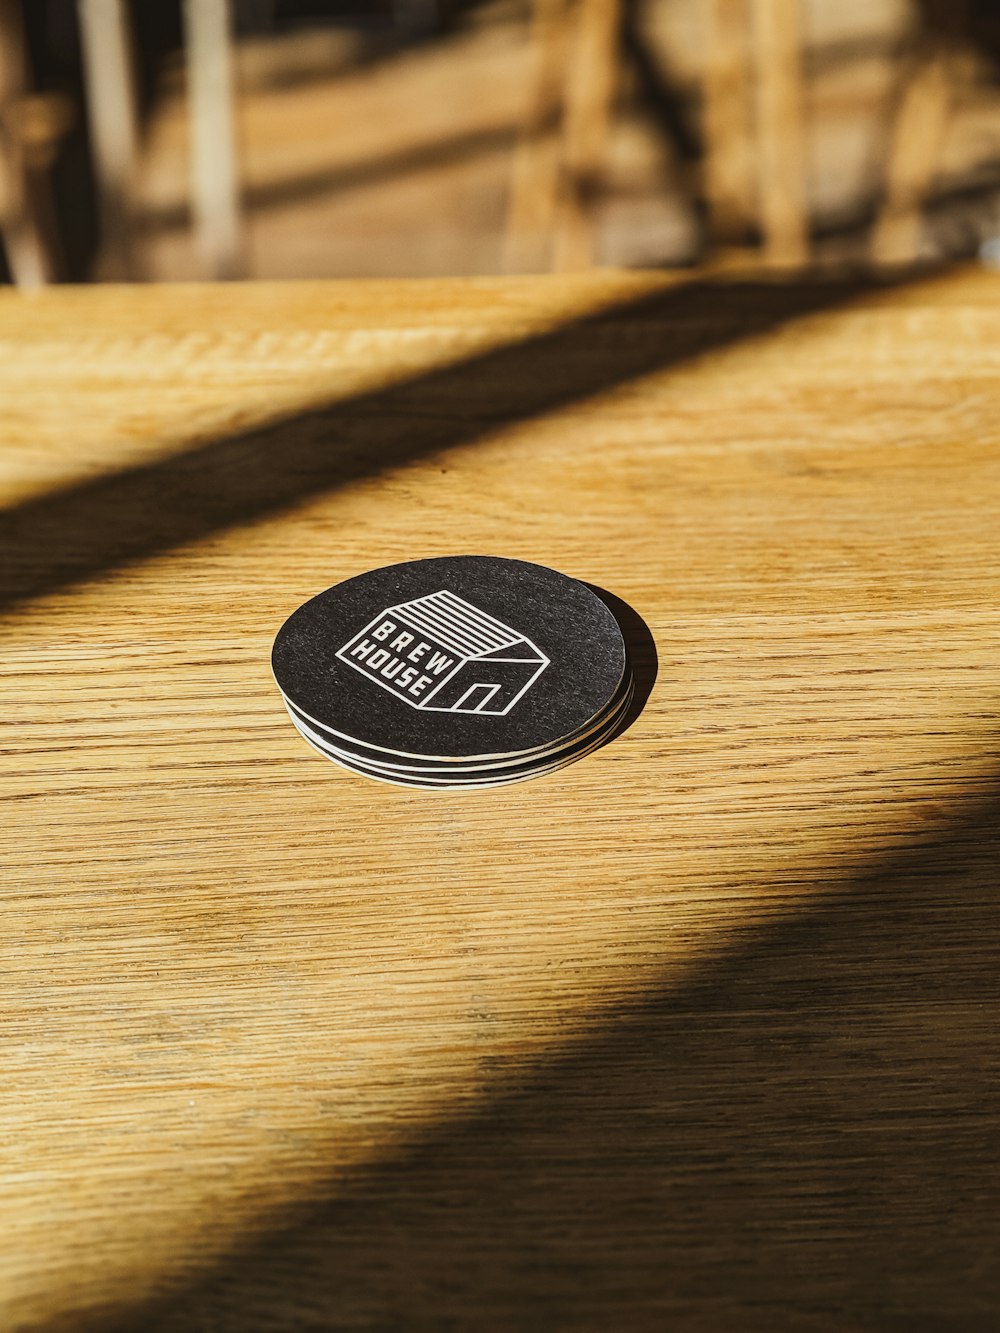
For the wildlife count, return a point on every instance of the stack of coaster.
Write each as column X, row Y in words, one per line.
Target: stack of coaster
column 464, row 671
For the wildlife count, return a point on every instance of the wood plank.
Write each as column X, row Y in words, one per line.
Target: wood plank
column 700, row 1032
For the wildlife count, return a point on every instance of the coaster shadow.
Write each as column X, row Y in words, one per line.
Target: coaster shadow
column 640, row 651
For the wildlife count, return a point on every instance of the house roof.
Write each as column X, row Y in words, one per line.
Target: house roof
column 457, row 626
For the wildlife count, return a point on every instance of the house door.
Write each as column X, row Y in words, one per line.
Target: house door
column 475, row 699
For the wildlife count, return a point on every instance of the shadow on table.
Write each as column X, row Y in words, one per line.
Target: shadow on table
column 804, row 1136
column 77, row 533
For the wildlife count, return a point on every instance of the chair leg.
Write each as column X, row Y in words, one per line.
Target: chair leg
column 214, row 186
column 915, row 145
column 781, row 146
column 26, row 223
column 534, row 187
column 589, row 106
column 728, row 181
column 110, row 82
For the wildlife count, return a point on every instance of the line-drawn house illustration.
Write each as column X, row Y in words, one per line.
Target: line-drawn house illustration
column 442, row 654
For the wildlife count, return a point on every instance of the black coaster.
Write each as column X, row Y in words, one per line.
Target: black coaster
column 507, row 770
column 366, row 755
column 457, row 658
column 469, row 780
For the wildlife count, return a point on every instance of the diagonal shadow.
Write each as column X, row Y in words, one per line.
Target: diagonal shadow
column 76, row 533
column 802, row 1137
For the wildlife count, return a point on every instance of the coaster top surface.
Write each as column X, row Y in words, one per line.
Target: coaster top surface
column 459, row 656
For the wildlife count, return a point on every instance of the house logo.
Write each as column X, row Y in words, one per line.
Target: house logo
column 442, row 654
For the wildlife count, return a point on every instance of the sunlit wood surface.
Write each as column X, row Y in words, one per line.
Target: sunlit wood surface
column 699, row 1033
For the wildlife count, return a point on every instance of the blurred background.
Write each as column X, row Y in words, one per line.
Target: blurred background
column 177, row 139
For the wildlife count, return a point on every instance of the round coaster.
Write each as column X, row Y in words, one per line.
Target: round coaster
column 461, row 657
column 487, row 779
column 468, row 774
column 365, row 755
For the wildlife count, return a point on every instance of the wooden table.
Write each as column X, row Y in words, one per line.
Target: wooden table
column 699, row 1033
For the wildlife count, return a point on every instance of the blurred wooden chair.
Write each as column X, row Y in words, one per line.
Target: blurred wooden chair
column 755, row 146
column 753, row 77
column 109, row 69
column 559, row 158
column 917, row 133
column 914, row 153
column 31, row 125
column 754, row 126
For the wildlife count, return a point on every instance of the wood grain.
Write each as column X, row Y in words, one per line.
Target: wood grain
column 699, row 1033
